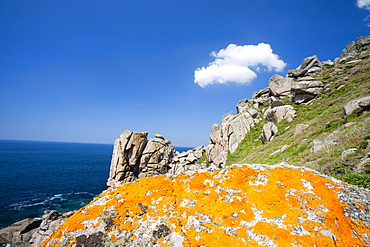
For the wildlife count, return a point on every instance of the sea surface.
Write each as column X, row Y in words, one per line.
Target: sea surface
column 38, row 176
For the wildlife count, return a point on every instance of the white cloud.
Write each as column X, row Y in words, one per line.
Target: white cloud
column 363, row 4
column 238, row 64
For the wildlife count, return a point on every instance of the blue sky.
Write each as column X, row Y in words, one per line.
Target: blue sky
column 86, row 70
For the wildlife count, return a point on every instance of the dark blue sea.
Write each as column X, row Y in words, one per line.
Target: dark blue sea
column 39, row 176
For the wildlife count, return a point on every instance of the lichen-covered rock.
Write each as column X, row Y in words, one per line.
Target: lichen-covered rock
column 245, row 205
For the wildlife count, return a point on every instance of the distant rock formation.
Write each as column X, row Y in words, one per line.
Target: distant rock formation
column 134, row 156
column 244, row 205
column 353, row 49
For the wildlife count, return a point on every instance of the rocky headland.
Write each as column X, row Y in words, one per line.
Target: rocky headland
column 317, row 116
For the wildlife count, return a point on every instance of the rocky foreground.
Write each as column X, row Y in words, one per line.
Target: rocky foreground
column 244, row 205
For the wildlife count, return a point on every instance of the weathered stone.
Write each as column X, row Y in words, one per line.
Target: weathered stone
column 191, row 157
column 279, row 113
column 277, row 103
column 311, row 64
column 350, row 107
column 159, row 136
column 135, row 157
column 295, row 73
column 261, row 92
column 242, row 106
column 363, row 43
column 126, row 157
column 280, row 86
column 306, row 78
column 253, row 112
column 50, row 222
column 327, row 63
column 236, row 129
column 299, row 128
column 246, row 205
column 307, row 87
column 364, row 104
column 269, row 130
column 318, row 145
column 19, row 233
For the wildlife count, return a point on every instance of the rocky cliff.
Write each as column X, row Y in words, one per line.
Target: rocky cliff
column 266, row 113
column 316, row 116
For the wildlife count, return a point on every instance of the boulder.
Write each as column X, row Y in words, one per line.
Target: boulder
column 19, row 233
column 299, row 128
column 363, row 43
column 318, row 145
column 280, row 86
column 306, row 90
column 311, row 64
column 159, row 136
column 328, row 63
column 350, row 50
column 236, row 129
column 126, row 157
column 307, row 87
column 242, row 106
column 260, row 93
column 277, row 103
column 134, row 156
column 364, row 104
column 244, row 205
column 269, row 130
column 279, row 113
column 296, row 73
column 302, row 98
column 351, row 106
column 156, row 158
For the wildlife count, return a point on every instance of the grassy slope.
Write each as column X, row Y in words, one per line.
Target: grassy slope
column 326, row 121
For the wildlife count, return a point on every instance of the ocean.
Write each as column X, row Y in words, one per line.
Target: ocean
column 38, row 176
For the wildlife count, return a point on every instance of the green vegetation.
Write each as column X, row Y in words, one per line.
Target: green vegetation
column 327, row 122
column 202, row 159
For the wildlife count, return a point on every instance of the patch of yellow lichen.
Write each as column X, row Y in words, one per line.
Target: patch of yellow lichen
column 282, row 206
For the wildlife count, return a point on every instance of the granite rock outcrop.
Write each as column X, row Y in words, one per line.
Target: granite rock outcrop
column 243, row 205
column 134, row 157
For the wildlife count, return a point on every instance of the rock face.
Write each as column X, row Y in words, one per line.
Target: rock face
column 269, row 130
column 134, row 156
column 20, row 232
column 32, row 232
column 352, row 48
column 245, row 205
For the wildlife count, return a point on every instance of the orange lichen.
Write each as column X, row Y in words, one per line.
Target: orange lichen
column 240, row 206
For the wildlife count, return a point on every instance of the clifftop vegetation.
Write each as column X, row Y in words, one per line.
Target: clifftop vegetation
column 327, row 124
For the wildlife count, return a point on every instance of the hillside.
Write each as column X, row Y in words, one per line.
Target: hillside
column 344, row 138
